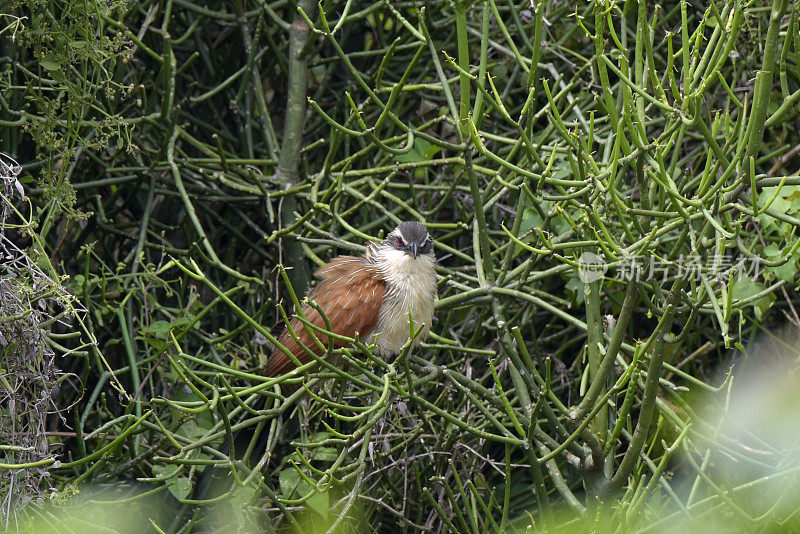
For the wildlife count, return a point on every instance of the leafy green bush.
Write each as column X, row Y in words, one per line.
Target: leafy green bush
column 188, row 164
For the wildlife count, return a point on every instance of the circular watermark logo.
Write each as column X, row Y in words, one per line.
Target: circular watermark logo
column 591, row 267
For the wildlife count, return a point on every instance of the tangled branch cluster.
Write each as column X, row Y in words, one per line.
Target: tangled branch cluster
column 225, row 148
column 29, row 374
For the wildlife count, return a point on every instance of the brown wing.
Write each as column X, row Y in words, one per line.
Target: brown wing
column 351, row 294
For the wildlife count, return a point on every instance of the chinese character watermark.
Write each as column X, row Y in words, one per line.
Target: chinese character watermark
column 592, row 267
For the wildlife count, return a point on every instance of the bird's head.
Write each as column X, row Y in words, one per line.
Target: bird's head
column 412, row 239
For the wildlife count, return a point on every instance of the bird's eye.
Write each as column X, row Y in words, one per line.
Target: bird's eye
column 400, row 242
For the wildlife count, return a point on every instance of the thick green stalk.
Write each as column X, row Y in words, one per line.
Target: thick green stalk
column 594, row 339
column 603, row 371
column 658, row 344
column 289, row 159
column 763, row 87
column 463, row 62
column 464, row 128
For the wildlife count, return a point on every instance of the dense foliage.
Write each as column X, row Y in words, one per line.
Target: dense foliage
column 174, row 170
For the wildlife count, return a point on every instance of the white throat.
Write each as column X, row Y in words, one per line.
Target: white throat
column 410, row 285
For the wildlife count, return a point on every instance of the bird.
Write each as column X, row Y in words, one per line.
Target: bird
column 369, row 295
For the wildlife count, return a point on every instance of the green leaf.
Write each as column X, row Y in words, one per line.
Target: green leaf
column 794, row 193
column 291, row 483
column 294, row 486
column 324, row 454
column 785, row 199
column 421, row 151
column 158, row 344
column 157, row 328
column 320, row 503
column 530, row 220
column 179, row 486
column 163, row 471
column 575, row 287
column 194, row 429
column 78, row 282
column 786, row 271
column 50, row 65
column 744, row 287
column 762, row 305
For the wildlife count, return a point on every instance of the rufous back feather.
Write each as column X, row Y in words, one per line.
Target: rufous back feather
column 351, row 293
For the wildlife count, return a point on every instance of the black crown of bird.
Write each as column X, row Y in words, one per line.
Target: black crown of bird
column 370, row 295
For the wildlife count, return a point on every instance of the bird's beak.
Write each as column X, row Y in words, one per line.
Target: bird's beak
column 414, row 250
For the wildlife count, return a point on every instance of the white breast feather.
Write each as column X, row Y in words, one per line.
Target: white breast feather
column 410, row 283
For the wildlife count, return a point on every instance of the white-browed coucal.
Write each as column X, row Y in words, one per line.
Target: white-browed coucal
column 370, row 295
